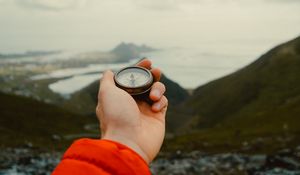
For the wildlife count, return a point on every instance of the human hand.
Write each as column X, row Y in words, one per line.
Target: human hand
column 135, row 124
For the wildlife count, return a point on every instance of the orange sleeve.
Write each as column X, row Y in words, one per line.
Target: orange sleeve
column 100, row 157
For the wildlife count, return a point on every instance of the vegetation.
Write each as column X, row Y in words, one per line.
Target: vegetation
column 261, row 100
column 28, row 122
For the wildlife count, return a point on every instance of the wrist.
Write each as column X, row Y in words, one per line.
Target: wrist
column 129, row 143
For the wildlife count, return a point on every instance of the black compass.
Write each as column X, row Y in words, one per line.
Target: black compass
column 135, row 80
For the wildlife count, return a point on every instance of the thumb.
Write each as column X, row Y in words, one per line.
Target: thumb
column 107, row 80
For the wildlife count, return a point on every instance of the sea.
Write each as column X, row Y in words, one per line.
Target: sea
column 189, row 67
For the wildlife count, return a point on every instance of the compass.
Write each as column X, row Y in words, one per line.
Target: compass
column 135, row 80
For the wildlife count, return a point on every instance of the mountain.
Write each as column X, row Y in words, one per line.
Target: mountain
column 261, row 100
column 26, row 121
column 127, row 51
column 267, row 87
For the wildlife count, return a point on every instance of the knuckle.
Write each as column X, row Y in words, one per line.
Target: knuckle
column 98, row 107
column 101, row 81
column 101, row 94
column 160, row 85
column 166, row 100
column 163, row 87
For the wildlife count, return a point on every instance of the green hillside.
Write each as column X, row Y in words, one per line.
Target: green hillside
column 26, row 121
column 261, row 100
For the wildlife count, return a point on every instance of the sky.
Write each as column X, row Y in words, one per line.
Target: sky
column 102, row 24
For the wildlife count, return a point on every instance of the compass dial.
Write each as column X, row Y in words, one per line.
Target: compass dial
column 134, row 79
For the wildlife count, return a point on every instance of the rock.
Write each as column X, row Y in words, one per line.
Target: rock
column 24, row 161
column 282, row 162
column 29, row 161
column 56, row 137
column 256, row 161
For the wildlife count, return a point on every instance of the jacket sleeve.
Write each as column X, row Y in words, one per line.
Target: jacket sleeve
column 100, row 157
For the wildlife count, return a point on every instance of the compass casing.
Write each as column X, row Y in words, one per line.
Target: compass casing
column 138, row 90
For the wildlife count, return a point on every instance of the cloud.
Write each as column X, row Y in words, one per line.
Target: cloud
column 157, row 4
column 283, row 1
column 54, row 5
column 161, row 5
column 152, row 5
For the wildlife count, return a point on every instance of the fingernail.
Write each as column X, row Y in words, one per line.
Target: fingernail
column 156, row 93
column 157, row 106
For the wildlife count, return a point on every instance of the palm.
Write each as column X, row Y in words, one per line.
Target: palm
column 151, row 132
column 137, row 119
column 135, row 124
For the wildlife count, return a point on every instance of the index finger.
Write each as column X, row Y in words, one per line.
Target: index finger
column 146, row 63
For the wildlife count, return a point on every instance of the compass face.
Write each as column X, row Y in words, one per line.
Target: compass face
column 135, row 80
column 133, row 77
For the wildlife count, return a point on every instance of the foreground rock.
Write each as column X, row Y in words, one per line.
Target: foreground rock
column 285, row 162
column 24, row 161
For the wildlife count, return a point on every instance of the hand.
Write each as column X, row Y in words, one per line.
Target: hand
column 134, row 124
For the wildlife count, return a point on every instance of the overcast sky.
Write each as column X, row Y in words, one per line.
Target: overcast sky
column 101, row 24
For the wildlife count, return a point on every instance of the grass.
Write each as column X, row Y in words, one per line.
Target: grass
column 26, row 121
column 219, row 140
column 261, row 100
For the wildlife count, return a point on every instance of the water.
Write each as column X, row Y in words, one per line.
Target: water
column 71, row 85
column 78, row 77
column 195, row 66
column 190, row 67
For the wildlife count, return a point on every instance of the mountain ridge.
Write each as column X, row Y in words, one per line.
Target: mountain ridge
column 261, row 100
column 250, row 81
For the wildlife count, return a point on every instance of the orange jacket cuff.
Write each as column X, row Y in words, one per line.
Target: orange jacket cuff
column 106, row 155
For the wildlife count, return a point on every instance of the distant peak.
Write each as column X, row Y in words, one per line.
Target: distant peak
column 126, row 51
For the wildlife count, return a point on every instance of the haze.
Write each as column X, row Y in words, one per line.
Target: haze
column 100, row 25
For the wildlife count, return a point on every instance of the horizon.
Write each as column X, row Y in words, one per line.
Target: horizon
column 88, row 25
